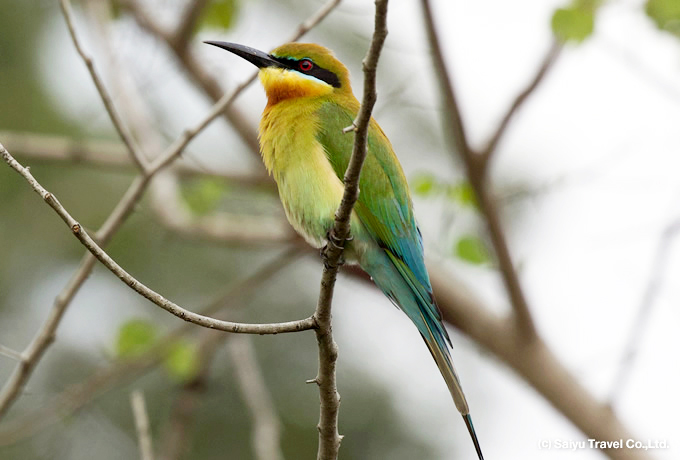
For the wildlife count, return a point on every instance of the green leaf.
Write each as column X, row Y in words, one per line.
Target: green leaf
column 135, row 337
column 472, row 249
column 424, row 184
column 220, row 14
column 575, row 23
column 182, row 361
column 463, row 194
column 665, row 14
column 204, row 195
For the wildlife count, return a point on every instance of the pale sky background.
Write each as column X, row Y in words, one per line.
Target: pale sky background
column 599, row 144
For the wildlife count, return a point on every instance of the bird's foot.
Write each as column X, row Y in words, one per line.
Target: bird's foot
column 337, row 245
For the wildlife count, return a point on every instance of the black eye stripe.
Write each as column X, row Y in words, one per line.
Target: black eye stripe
column 315, row 71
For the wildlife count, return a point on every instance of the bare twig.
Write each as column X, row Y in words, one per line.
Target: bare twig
column 107, row 155
column 176, row 437
column 129, row 142
column 191, row 15
column 142, row 425
column 209, row 84
column 266, row 425
column 205, row 321
column 45, row 335
column 546, row 65
column 476, row 170
column 533, row 361
column 76, row 396
column 6, row 351
column 329, row 438
column 639, row 325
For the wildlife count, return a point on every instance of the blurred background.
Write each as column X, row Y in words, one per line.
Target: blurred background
column 585, row 179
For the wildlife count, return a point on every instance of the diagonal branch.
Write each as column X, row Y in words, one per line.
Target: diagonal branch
column 546, row 65
column 123, row 132
column 45, row 335
column 142, row 425
column 329, row 438
column 534, row 362
column 74, row 397
column 87, row 241
column 476, row 171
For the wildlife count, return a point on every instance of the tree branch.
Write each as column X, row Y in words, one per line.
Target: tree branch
column 476, row 171
column 534, row 362
column 205, row 321
column 76, row 396
column 124, row 134
column 329, row 438
column 266, row 425
column 546, row 65
column 142, row 425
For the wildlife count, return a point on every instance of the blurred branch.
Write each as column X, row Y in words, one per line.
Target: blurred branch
column 258, row 399
column 81, row 234
column 223, row 227
column 329, row 438
column 175, row 439
column 476, row 170
column 106, row 155
column 78, row 395
column 546, row 65
column 124, row 134
column 533, row 361
column 142, row 425
column 188, row 21
column 200, row 75
column 639, row 325
column 6, row 351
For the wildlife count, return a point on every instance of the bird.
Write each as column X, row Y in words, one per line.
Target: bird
column 303, row 146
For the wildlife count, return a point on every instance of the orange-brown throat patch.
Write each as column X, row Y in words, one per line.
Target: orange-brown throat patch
column 280, row 84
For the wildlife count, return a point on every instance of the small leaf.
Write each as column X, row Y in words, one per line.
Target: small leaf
column 135, row 337
column 219, row 14
column 463, row 194
column 182, row 361
column 575, row 23
column 424, row 184
column 665, row 14
column 204, row 195
column 473, row 250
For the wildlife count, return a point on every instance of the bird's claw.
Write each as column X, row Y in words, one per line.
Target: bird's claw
column 336, row 243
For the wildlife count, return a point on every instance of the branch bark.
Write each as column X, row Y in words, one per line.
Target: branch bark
column 476, row 167
column 329, row 438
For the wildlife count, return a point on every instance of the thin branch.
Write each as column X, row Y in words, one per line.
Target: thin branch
column 476, row 170
column 199, row 74
column 107, row 155
column 189, row 19
column 220, row 226
column 8, row 352
column 142, row 425
column 87, row 241
column 533, row 361
column 124, row 134
column 639, row 325
column 266, row 425
column 546, row 65
column 45, row 335
column 176, row 436
column 76, row 396
column 329, row 438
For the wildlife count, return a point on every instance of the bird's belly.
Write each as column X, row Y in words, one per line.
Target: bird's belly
column 310, row 199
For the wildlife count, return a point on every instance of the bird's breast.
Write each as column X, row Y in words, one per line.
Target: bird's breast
column 309, row 189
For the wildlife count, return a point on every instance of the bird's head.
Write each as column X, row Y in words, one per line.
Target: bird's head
column 295, row 70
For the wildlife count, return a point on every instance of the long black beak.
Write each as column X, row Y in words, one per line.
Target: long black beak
column 256, row 57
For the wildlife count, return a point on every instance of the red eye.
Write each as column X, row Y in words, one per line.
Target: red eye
column 306, row 65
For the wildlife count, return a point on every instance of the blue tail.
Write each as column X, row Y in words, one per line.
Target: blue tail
column 412, row 293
